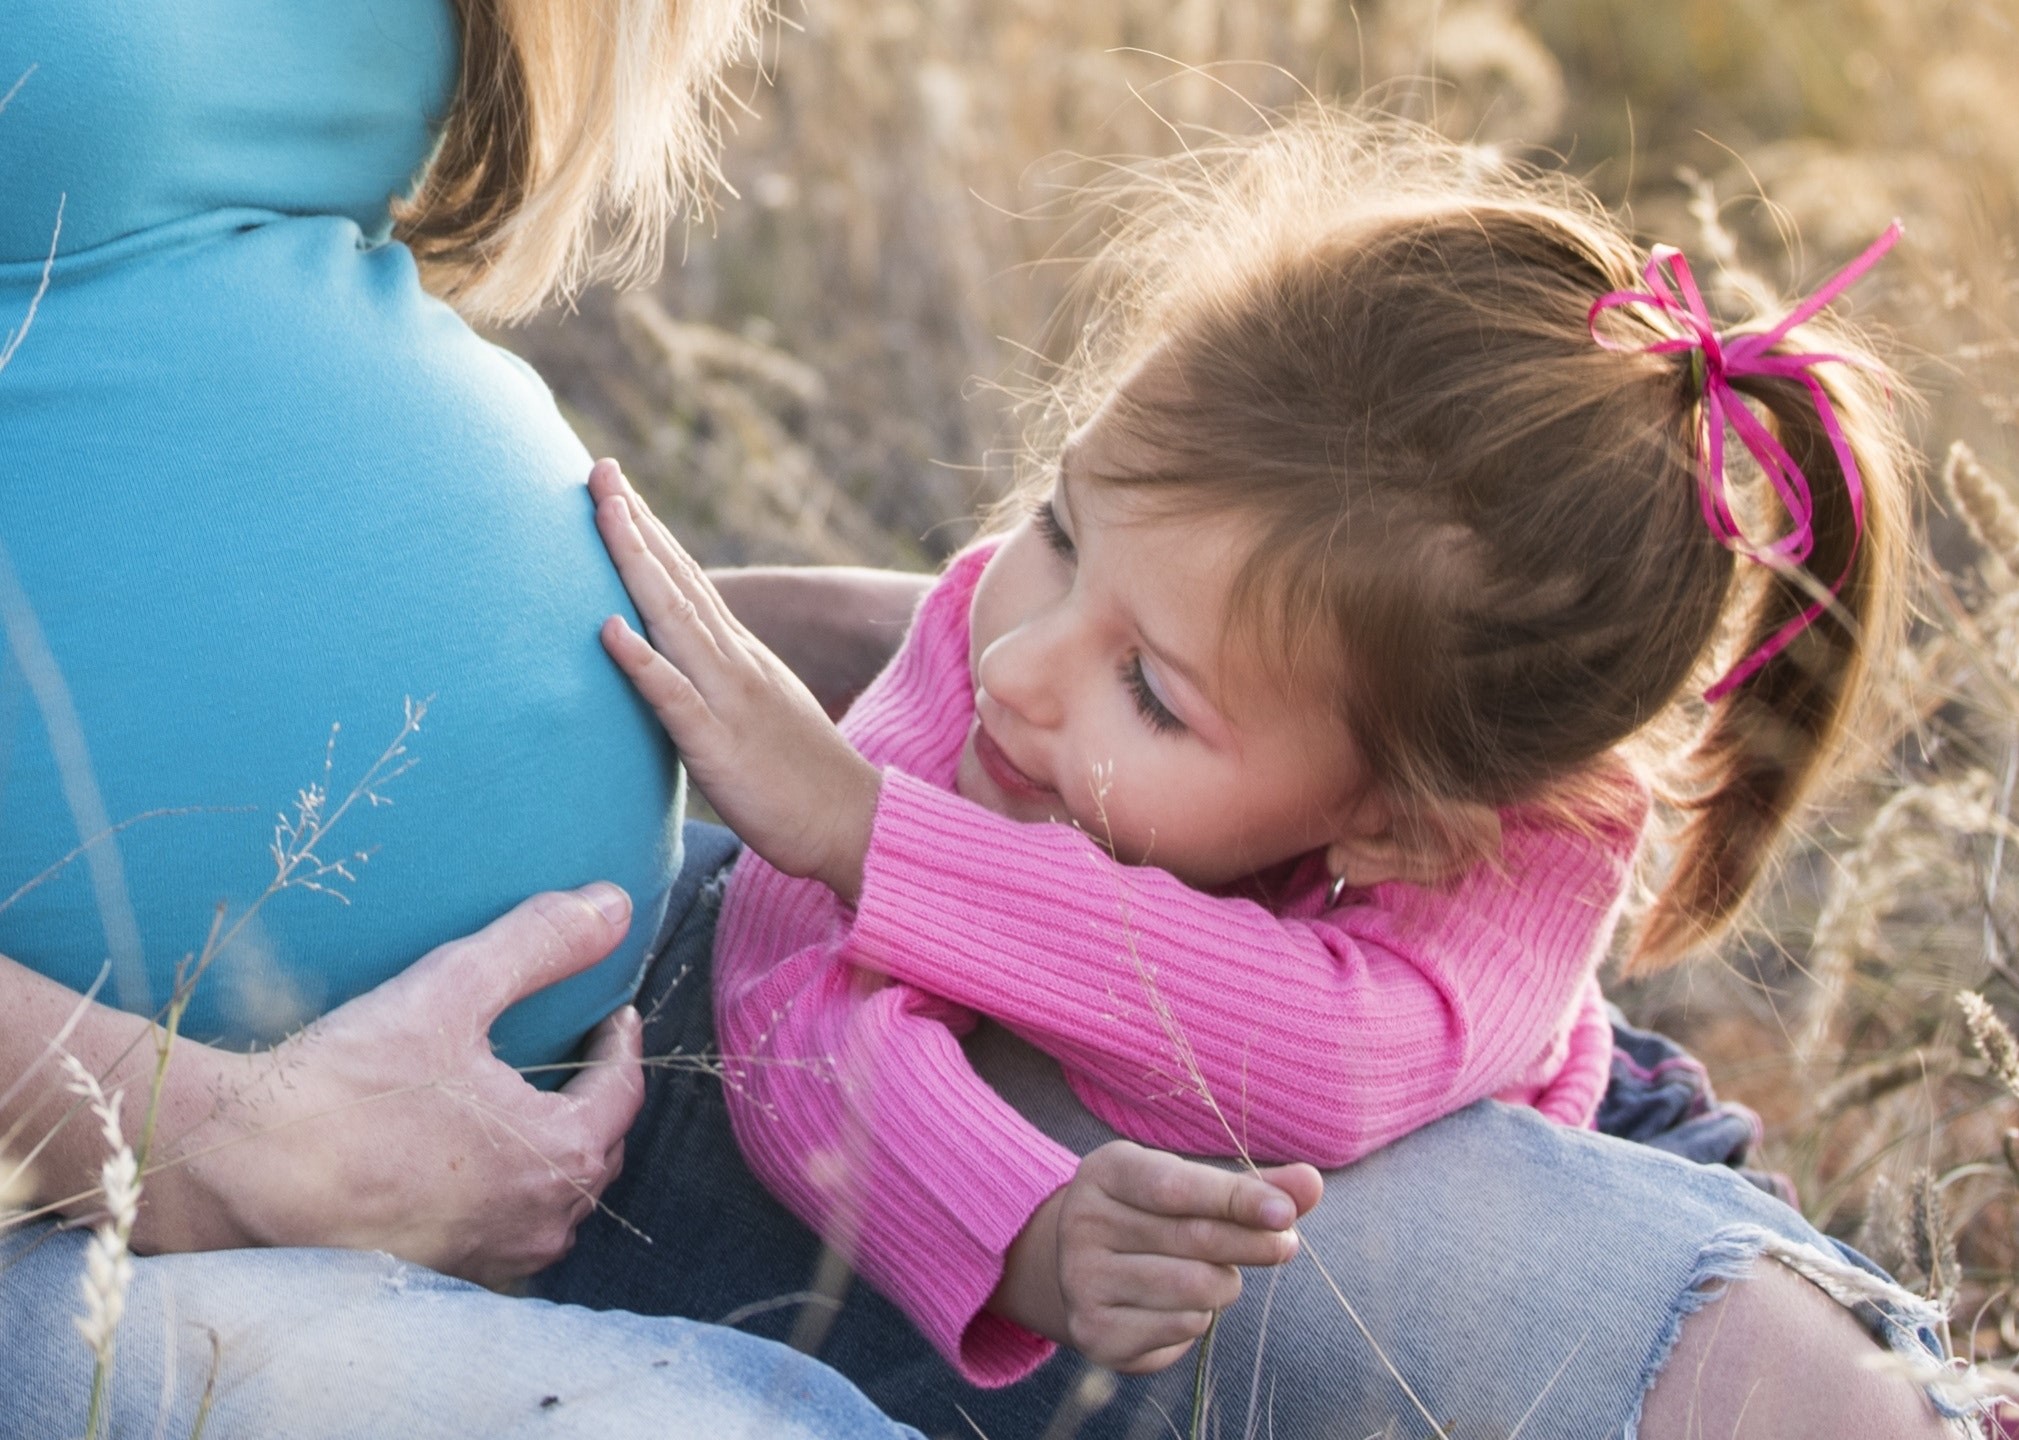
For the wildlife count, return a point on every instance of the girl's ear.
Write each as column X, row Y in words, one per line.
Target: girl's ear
column 1429, row 848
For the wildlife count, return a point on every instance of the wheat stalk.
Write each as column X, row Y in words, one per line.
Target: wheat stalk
column 1984, row 506
column 1994, row 1041
column 108, row 1259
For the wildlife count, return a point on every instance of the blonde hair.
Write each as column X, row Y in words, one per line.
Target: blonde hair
column 580, row 132
column 1375, row 344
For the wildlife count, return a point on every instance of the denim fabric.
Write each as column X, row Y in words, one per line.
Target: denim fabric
column 1506, row 1272
column 342, row 1345
column 1661, row 1095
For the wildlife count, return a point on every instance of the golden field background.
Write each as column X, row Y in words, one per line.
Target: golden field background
column 830, row 376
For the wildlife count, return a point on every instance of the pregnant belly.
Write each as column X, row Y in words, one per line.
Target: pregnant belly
column 261, row 499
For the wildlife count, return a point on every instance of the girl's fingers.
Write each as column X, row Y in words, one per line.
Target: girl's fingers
column 1156, row 1360
column 606, row 478
column 650, row 583
column 1163, row 1184
column 687, row 573
column 1162, row 1282
column 620, row 513
column 675, row 621
column 679, row 564
column 1302, row 1183
column 1142, row 1342
column 672, row 696
column 1199, row 1239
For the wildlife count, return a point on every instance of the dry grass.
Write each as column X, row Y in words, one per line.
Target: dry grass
column 823, row 379
column 897, row 231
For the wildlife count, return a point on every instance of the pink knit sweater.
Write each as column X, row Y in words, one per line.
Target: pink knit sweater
column 1201, row 1023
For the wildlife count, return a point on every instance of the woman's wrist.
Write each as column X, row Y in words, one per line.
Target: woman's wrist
column 173, row 1107
column 195, row 1192
column 835, row 626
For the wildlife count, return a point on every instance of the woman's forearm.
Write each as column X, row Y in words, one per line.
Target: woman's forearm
column 836, row 626
column 45, row 1128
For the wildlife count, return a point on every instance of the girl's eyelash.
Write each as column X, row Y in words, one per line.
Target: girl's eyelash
column 1049, row 529
column 1156, row 714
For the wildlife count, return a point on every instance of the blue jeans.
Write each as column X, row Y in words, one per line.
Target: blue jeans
column 1492, row 1270
column 1515, row 1274
column 342, row 1345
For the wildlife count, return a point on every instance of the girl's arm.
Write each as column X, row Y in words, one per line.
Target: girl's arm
column 387, row 1124
column 1213, row 1025
column 853, row 1102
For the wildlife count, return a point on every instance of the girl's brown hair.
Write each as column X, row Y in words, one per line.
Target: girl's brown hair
column 578, row 135
column 1374, row 343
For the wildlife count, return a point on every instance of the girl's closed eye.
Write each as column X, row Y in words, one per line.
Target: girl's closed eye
column 1151, row 705
column 1045, row 516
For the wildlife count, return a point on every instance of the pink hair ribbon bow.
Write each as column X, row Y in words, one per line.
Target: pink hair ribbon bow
column 1672, row 289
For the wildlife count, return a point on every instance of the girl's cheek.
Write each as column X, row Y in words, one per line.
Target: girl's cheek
column 1133, row 830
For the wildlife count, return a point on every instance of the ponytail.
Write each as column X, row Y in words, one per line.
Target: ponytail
column 1772, row 734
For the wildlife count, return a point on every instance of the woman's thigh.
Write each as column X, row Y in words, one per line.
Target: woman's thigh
column 322, row 1344
column 1493, row 1273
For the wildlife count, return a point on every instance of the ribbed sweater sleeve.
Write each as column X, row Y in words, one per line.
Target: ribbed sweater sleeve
column 853, row 1102
column 1205, row 1024
column 1568, row 1088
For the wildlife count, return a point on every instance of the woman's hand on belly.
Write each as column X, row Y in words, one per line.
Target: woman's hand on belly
column 389, row 1125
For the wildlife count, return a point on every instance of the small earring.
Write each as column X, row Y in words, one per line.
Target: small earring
column 1337, row 889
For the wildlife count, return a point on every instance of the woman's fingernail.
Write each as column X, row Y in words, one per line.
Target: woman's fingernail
column 612, row 902
column 1279, row 1212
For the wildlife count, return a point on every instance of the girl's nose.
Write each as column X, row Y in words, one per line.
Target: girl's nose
column 1022, row 671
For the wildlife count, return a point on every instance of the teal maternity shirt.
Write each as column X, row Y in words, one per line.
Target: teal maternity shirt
column 258, row 494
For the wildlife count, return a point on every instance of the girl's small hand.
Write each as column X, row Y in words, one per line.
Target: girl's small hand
column 754, row 739
column 1131, row 1260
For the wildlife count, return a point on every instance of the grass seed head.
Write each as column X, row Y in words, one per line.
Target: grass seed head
column 1992, row 1037
column 1981, row 502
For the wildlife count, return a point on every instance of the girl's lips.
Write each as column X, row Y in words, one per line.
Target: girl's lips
column 998, row 767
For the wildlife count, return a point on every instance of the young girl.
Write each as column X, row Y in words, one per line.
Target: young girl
column 1278, row 771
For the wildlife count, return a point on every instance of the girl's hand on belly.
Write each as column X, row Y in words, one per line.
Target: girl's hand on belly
column 754, row 739
column 389, row 1125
